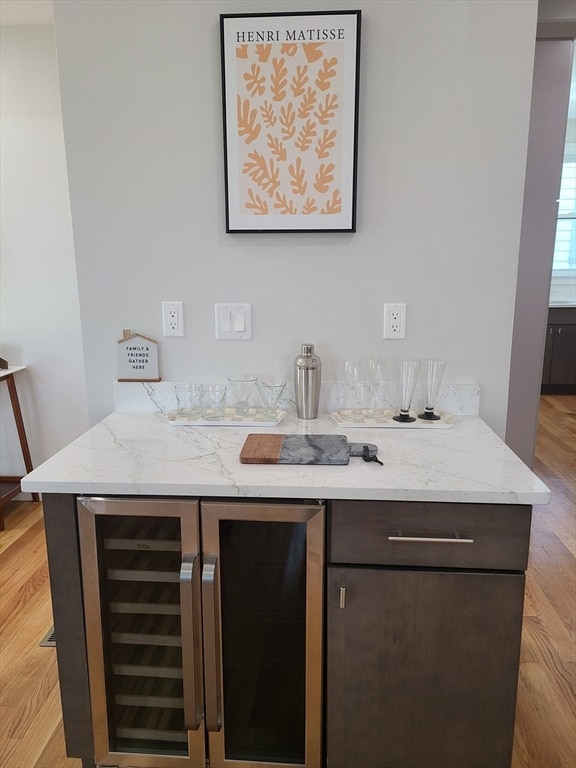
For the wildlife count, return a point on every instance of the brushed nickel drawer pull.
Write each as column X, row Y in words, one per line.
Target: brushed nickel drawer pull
column 430, row 539
column 342, row 597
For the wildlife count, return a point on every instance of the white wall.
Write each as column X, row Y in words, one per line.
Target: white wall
column 445, row 95
column 40, row 320
column 443, row 127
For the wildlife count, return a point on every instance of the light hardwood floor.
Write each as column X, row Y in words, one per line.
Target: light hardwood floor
column 545, row 736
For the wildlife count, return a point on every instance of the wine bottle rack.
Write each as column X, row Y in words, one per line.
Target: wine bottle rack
column 140, row 573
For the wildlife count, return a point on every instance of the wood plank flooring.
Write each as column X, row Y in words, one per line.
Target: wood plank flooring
column 545, row 735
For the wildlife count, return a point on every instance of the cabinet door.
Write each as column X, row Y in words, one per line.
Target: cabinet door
column 563, row 364
column 548, row 347
column 141, row 582
column 262, row 603
column 421, row 667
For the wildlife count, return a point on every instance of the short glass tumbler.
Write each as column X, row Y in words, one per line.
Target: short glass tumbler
column 188, row 397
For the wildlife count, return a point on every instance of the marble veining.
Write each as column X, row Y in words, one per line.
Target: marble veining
column 139, row 452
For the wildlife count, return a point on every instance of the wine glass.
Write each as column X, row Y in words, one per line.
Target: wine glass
column 406, row 378
column 242, row 387
column 431, row 373
column 352, row 378
column 375, row 377
column 270, row 392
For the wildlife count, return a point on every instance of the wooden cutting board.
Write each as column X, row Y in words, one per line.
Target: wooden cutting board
column 295, row 449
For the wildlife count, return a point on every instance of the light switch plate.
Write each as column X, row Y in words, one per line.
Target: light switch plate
column 233, row 322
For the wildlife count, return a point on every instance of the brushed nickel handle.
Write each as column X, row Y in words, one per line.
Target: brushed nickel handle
column 190, row 656
column 212, row 644
column 431, row 539
column 342, row 597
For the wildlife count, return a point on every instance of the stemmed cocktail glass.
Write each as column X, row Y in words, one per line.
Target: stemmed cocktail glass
column 431, row 373
column 406, row 378
column 270, row 392
column 242, row 387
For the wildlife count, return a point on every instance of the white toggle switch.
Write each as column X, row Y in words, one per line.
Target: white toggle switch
column 225, row 322
column 239, row 321
column 233, row 321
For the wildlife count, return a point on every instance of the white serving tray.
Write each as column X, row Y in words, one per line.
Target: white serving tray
column 383, row 419
column 254, row 418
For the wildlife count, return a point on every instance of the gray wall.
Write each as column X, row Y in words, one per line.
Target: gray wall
column 443, row 132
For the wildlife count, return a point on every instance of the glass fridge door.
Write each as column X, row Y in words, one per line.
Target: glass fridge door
column 262, row 609
column 141, row 580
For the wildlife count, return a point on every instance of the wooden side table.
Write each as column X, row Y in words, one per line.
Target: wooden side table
column 10, row 485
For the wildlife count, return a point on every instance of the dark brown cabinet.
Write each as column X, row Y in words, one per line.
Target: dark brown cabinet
column 419, row 663
column 559, row 367
column 194, row 630
column 423, row 634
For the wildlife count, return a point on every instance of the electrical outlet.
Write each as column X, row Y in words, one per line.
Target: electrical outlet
column 173, row 318
column 394, row 321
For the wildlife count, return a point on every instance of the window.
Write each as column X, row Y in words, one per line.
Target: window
column 563, row 288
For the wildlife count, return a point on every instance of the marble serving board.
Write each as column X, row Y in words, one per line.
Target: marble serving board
column 383, row 419
column 295, row 449
column 254, row 418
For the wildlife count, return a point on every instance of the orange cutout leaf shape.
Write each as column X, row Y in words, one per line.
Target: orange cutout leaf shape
column 263, row 52
column 276, row 147
column 268, row 116
column 305, row 135
column 279, row 79
column 255, row 80
column 298, row 182
column 323, row 177
column 289, row 49
column 309, row 206
column 287, row 118
column 284, row 206
column 334, row 205
column 326, row 111
column 299, row 80
column 312, row 51
column 307, row 103
column 257, row 204
column 246, row 117
column 325, row 144
column 326, row 73
column 265, row 176
column 242, row 52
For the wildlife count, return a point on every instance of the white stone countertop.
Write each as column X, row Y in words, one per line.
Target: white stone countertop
column 142, row 453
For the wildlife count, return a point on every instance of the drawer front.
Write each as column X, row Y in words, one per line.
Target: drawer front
column 430, row 534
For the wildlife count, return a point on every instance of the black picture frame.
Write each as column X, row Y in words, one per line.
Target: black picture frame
column 290, row 90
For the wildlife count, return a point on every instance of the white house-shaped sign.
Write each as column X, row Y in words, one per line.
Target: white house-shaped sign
column 138, row 357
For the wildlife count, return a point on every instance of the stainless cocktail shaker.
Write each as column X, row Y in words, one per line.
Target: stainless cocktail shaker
column 307, row 377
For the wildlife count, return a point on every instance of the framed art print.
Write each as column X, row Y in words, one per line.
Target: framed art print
column 290, row 113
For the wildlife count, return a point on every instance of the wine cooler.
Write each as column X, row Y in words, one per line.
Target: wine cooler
column 204, row 631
